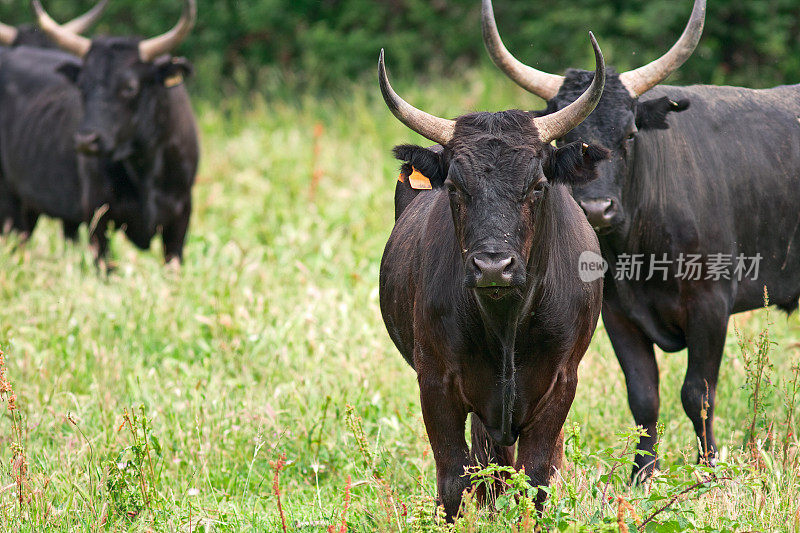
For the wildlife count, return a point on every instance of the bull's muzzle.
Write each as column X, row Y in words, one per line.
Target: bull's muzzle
column 600, row 212
column 87, row 143
column 495, row 273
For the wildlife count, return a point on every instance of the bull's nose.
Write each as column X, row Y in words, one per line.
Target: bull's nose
column 87, row 143
column 493, row 270
column 600, row 212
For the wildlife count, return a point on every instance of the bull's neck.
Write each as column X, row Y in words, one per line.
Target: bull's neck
column 647, row 229
column 143, row 165
column 501, row 321
column 502, row 318
column 153, row 131
column 146, row 162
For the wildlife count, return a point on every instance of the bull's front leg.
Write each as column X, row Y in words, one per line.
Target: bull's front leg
column 10, row 211
column 174, row 234
column 28, row 219
column 541, row 443
column 637, row 358
column 445, row 418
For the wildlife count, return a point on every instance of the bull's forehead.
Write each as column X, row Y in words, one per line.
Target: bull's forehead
column 496, row 150
column 29, row 35
column 612, row 114
column 495, row 132
column 108, row 56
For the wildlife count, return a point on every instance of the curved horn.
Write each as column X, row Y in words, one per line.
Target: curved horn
column 535, row 81
column 438, row 130
column 556, row 125
column 156, row 46
column 642, row 79
column 64, row 38
column 87, row 20
column 8, row 34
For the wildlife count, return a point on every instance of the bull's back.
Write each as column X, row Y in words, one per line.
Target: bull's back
column 39, row 111
column 733, row 159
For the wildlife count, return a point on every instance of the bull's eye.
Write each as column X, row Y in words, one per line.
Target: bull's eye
column 130, row 89
column 458, row 199
column 631, row 136
column 534, row 192
column 538, row 189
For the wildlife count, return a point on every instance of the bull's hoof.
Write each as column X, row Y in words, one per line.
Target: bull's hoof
column 707, row 459
column 105, row 267
column 173, row 263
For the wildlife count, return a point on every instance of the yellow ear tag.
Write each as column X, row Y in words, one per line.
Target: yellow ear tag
column 418, row 181
column 173, row 81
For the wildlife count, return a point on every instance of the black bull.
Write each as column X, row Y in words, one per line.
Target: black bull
column 30, row 87
column 724, row 178
column 149, row 189
column 438, row 325
column 480, row 288
column 695, row 171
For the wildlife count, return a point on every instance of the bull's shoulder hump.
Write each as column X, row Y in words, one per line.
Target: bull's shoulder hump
column 723, row 104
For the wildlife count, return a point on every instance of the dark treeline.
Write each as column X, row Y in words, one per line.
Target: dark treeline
column 245, row 44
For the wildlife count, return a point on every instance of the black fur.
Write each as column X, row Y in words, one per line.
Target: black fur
column 507, row 353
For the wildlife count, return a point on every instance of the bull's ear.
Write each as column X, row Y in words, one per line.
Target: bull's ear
column 69, row 70
column 652, row 114
column 428, row 161
column 171, row 71
column 573, row 164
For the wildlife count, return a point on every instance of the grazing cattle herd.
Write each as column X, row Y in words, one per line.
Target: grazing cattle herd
column 102, row 132
column 684, row 199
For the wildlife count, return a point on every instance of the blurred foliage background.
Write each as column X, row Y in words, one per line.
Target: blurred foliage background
column 320, row 45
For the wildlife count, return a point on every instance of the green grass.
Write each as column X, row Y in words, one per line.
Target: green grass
column 261, row 343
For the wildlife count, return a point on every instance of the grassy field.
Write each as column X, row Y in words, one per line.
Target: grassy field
column 163, row 399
